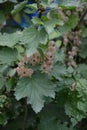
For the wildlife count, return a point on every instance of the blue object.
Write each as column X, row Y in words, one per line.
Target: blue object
column 23, row 23
column 35, row 14
column 53, row 1
column 56, row 1
column 31, row 1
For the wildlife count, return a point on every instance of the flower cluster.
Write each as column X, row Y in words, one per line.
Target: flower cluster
column 49, row 57
column 64, row 14
column 35, row 58
column 46, row 64
column 22, row 70
column 73, row 37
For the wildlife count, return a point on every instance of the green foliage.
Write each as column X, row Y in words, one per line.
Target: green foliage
column 72, row 22
column 2, row 17
column 9, row 40
column 32, row 38
column 83, row 52
column 36, row 89
column 19, row 7
column 7, row 55
column 69, row 3
column 43, row 65
column 76, row 106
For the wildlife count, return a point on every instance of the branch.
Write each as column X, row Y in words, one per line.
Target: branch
column 25, row 114
column 38, row 4
column 81, row 19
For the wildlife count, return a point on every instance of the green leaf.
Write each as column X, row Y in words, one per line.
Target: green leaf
column 9, row 84
column 59, row 70
column 76, row 105
column 70, row 24
column 7, row 55
column 9, row 40
column 35, row 89
column 2, row 1
column 84, row 31
column 52, row 125
column 48, row 124
column 82, row 70
column 59, row 55
column 48, row 118
column 19, row 7
column 83, row 50
column 53, row 111
column 49, row 25
column 32, row 38
column 11, row 72
column 54, row 34
column 37, row 21
column 33, row 8
column 2, row 17
column 2, row 81
column 73, row 112
column 70, row 3
column 3, row 119
column 81, row 87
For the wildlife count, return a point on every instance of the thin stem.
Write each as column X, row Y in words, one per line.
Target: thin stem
column 81, row 19
column 38, row 4
column 25, row 114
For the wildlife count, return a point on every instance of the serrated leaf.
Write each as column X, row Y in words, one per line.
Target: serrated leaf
column 76, row 105
column 74, row 113
column 9, row 40
column 32, row 37
column 35, row 89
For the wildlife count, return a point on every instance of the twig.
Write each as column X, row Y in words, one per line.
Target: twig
column 25, row 114
column 38, row 4
column 82, row 17
column 81, row 20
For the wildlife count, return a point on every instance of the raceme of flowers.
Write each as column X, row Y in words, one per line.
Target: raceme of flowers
column 46, row 64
